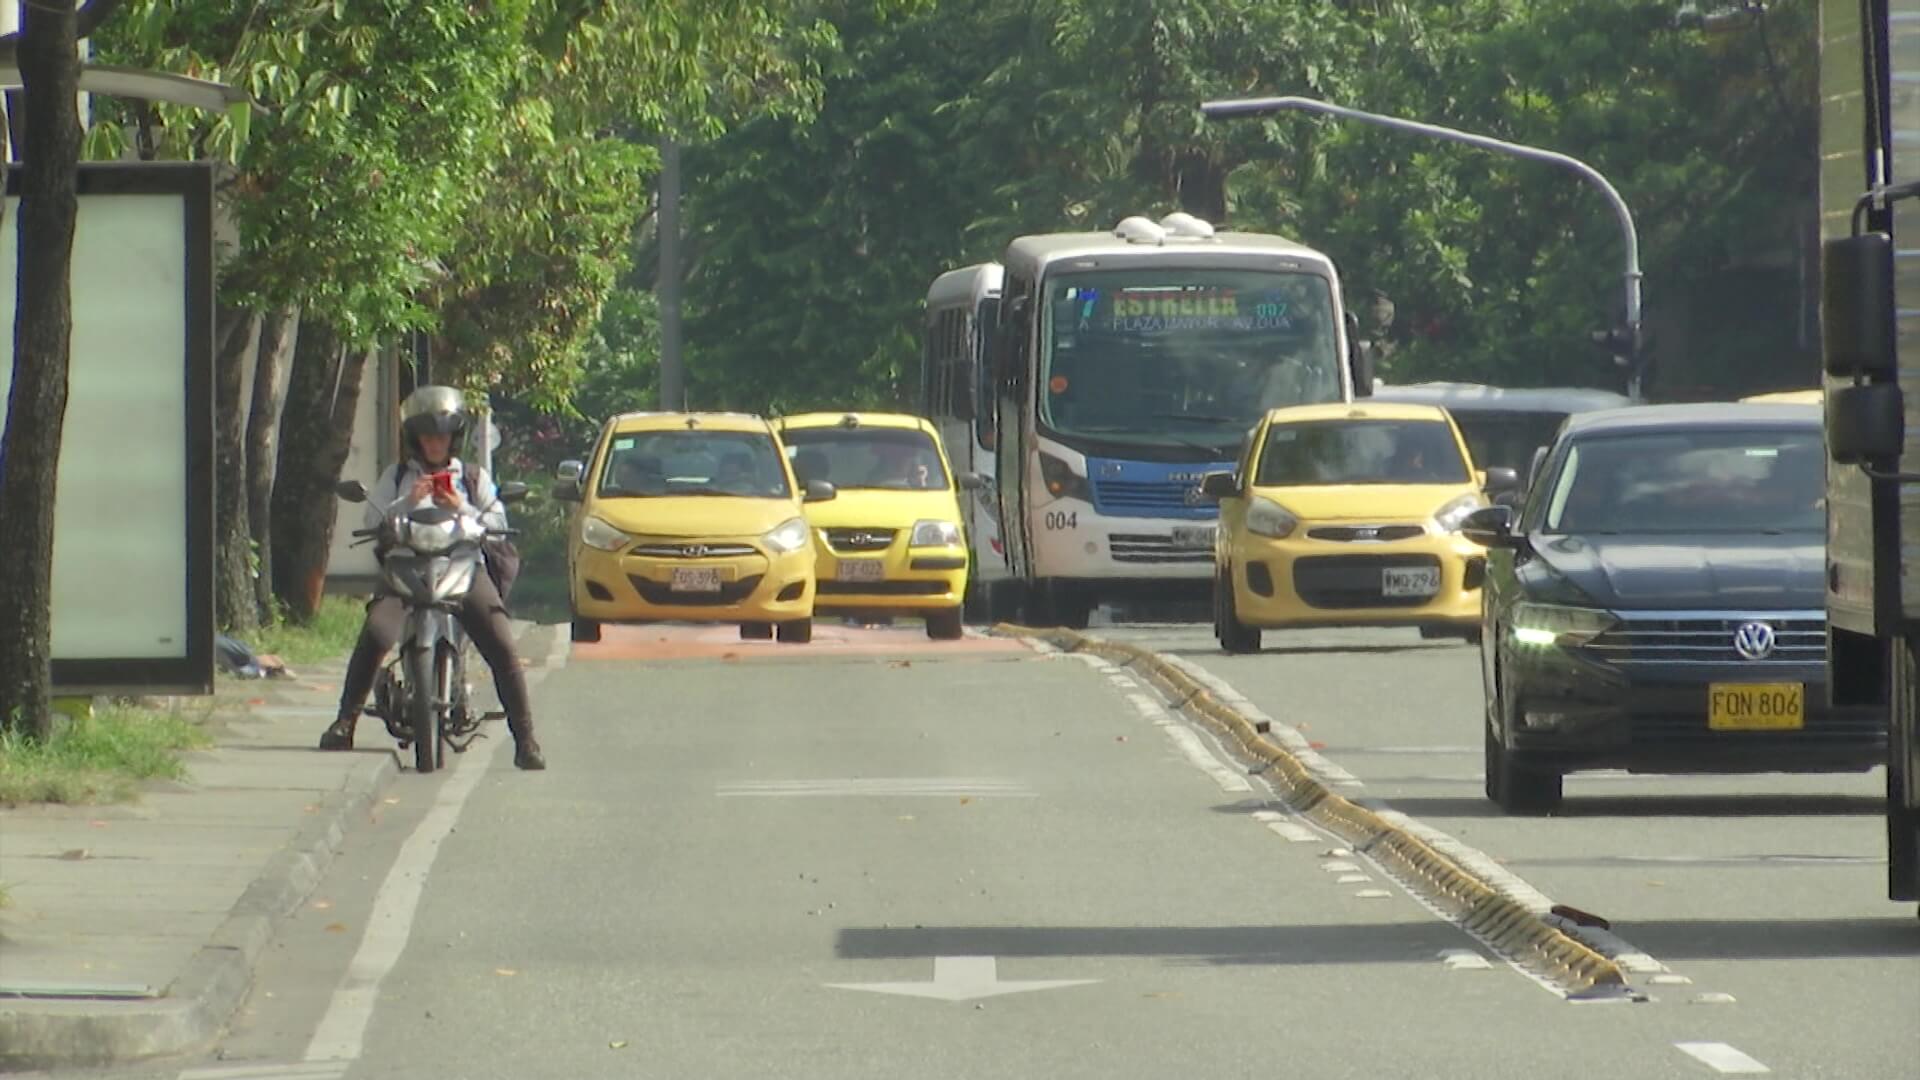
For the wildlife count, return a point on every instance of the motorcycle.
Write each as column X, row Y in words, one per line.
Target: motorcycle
column 429, row 559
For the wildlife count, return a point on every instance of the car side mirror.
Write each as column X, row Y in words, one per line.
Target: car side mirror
column 1490, row 527
column 1359, row 359
column 820, row 491
column 513, row 491
column 1219, row 485
column 570, row 470
column 351, row 490
column 972, row 481
column 1500, row 480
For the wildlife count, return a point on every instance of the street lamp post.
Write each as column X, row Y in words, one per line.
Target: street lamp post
column 1628, row 347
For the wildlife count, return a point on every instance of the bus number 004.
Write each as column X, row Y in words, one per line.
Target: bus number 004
column 1062, row 519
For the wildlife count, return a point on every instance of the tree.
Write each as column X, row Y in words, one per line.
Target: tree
column 47, row 51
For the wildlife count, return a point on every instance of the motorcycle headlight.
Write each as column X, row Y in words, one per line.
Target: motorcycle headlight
column 935, row 534
column 598, row 534
column 1552, row 624
column 1450, row 517
column 789, row 536
column 1268, row 518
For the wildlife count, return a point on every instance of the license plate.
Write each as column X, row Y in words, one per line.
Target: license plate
column 691, row 579
column 862, row 570
column 1410, row 581
column 1194, row 537
column 1756, row 706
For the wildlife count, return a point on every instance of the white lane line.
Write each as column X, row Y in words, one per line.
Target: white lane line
column 1464, row 960
column 1285, row 734
column 343, row 1030
column 1721, row 1058
column 1152, row 709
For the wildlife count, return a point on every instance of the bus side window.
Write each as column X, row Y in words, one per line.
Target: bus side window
column 986, row 324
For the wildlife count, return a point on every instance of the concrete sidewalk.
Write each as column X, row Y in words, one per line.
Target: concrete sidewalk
column 133, row 929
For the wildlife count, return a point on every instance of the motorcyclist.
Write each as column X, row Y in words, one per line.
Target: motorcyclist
column 434, row 421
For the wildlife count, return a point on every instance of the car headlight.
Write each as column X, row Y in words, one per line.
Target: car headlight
column 935, row 534
column 1062, row 482
column 789, row 536
column 598, row 534
column 1551, row 624
column 1451, row 516
column 1269, row 518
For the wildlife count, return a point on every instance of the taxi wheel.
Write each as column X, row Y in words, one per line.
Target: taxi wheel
column 1234, row 635
column 756, row 631
column 586, row 631
column 945, row 625
column 796, row 631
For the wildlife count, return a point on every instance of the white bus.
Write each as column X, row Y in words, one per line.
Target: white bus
column 956, row 394
column 1127, row 366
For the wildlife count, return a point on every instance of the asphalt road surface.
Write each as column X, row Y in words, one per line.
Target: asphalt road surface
column 876, row 857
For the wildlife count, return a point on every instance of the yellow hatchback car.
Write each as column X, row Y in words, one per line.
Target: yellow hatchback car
column 1349, row 515
column 690, row 517
column 891, row 542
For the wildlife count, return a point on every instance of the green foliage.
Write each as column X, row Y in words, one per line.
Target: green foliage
column 329, row 635
column 98, row 758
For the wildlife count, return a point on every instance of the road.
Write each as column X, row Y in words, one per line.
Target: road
column 873, row 857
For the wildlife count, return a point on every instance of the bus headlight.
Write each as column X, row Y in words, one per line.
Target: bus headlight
column 935, row 534
column 1062, row 482
column 1268, row 518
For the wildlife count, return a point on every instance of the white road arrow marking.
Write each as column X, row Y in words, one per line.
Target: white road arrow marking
column 962, row 978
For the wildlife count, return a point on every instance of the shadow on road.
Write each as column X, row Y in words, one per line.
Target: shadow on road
column 1638, row 806
column 1894, row 937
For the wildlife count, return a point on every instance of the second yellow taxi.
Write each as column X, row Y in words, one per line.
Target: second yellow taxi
column 890, row 543
column 1349, row 515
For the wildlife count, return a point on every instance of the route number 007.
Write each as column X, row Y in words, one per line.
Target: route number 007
column 1062, row 519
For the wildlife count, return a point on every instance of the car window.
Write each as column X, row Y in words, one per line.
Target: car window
column 1691, row 482
column 1507, row 439
column 889, row 459
column 1361, row 452
column 648, row 464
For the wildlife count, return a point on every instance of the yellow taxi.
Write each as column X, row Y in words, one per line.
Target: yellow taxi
column 1349, row 515
column 1788, row 397
column 891, row 542
column 690, row 517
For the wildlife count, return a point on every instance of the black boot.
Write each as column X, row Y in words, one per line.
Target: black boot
column 339, row 734
column 526, row 749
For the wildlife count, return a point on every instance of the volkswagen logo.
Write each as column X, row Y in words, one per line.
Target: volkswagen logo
column 694, row 551
column 1753, row 641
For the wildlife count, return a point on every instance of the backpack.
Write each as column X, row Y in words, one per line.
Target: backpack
column 503, row 558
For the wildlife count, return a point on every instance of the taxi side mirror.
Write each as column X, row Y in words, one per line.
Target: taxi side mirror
column 1219, row 485
column 1500, row 480
column 820, row 491
column 513, row 491
column 972, row 481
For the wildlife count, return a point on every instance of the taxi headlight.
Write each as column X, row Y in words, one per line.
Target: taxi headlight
column 935, row 534
column 789, row 536
column 1268, row 518
column 1451, row 516
column 598, row 534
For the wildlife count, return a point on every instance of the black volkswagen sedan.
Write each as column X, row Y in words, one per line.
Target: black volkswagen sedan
column 1658, row 604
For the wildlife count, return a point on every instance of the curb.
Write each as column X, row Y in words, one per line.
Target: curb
column 194, row 1010
column 1521, row 934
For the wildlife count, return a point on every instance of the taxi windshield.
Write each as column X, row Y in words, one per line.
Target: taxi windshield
column 1361, row 452
column 652, row 464
column 886, row 459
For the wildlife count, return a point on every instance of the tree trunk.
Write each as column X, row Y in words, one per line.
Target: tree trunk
column 277, row 334
column 236, row 331
column 323, row 393
column 42, row 340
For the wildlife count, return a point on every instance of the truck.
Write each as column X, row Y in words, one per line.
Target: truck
column 1870, row 328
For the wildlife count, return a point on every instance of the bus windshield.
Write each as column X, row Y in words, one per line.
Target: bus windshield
column 1183, row 356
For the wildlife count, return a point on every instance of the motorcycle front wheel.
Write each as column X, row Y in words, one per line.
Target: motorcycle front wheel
column 426, row 677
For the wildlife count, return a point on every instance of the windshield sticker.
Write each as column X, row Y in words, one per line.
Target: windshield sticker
column 623, row 444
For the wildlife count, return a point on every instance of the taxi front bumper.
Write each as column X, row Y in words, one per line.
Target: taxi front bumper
column 728, row 581
column 1299, row 581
